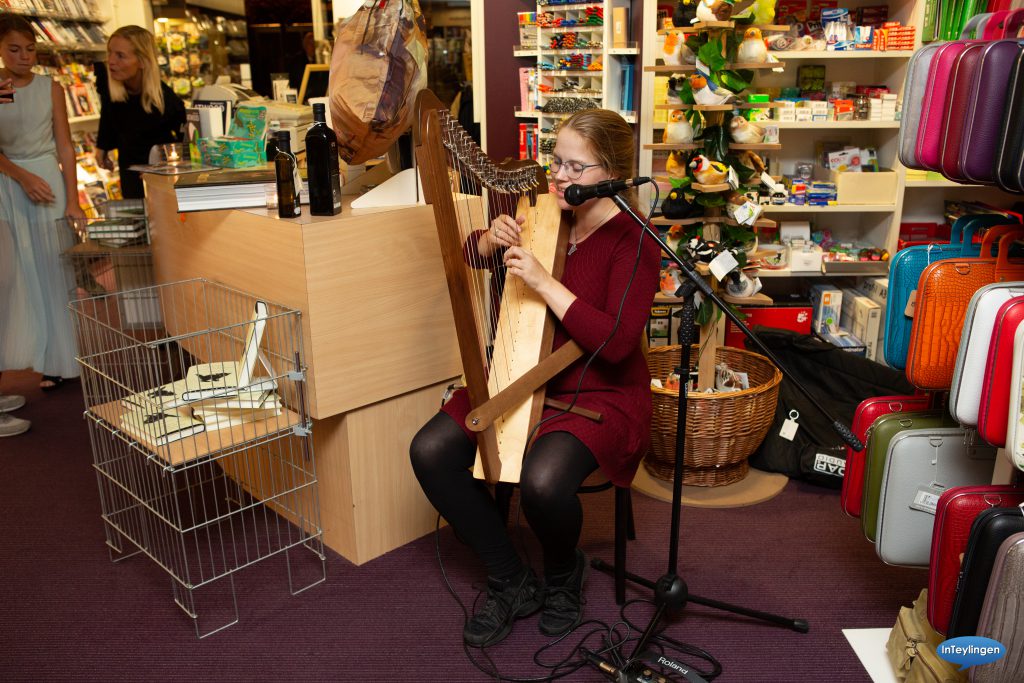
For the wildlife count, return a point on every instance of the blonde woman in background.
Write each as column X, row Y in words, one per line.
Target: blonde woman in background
column 38, row 187
column 137, row 110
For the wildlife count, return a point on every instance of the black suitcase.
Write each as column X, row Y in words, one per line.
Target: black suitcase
column 1009, row 161
column 989, row 530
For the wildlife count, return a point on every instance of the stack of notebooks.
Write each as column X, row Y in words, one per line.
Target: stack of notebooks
column 229, row 189
column 117, row 232
column 213, row 396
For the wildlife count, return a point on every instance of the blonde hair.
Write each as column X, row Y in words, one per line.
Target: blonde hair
column 144, row 46
column 610, row 139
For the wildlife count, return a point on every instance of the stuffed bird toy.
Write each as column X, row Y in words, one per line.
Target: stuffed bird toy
column 745, row 132
column 676, row 166
column 713, row 10
column 676, row 205
column 684, row 13
column 753, row 49
column 703, row 94
column 678, row 129
column 708, row 172
column 670, row 50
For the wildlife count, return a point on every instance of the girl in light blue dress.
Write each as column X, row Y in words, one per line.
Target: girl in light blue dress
column 37, row 187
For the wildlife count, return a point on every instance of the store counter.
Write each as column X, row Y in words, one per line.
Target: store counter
column 378, row 339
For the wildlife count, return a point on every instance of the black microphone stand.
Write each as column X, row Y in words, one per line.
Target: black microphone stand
column 670, row 591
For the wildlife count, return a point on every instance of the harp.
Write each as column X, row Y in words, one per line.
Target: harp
column 505, row 349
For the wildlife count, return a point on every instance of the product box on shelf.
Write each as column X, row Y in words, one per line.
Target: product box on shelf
column 862, row 317
column 804, row 256
column 876, row 289
column 857, row 187
column 796, row 318
column 827, row 303
column 659, row 326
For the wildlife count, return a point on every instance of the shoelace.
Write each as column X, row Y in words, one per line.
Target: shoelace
column 564, row 599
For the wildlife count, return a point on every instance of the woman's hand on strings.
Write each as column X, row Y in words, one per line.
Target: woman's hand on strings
column 523, row 264
column 503, row 233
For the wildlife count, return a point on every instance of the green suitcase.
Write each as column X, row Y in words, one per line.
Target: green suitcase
column 879, row 435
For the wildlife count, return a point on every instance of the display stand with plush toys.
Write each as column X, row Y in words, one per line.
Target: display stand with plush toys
column 711, row 55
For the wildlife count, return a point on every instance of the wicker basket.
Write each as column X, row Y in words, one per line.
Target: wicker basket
column 722, row 429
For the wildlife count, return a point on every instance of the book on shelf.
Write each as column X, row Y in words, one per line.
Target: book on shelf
column 158, row 428
column 246, row 188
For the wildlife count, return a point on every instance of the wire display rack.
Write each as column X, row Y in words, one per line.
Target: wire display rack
column 109, row 252
column 201, row 439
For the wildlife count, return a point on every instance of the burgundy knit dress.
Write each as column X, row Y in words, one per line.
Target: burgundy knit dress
column 617, row 383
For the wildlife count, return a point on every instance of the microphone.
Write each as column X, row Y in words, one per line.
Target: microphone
column 577, row 194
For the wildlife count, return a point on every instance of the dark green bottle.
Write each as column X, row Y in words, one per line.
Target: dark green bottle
column 322, row 168
column 289, row 184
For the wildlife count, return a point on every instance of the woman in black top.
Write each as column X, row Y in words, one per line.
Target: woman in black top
column 137, row 109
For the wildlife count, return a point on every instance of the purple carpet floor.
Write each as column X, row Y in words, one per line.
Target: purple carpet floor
column 71, row 614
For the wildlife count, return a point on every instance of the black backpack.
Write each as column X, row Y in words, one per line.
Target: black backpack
column 838, row 380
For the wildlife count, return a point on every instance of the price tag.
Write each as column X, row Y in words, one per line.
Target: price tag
column 789, row 427
column 927, row 498
column 723, row 264
column 911, row 302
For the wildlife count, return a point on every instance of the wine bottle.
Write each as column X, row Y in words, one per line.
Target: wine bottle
column 289, row 184
column 272, row 131
column 322, row 166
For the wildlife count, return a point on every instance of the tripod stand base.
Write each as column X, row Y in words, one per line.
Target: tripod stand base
column 667, row 591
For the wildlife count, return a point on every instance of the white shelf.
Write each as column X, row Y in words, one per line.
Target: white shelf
column 524, row 52
column 585, row 73
column 573, row 29
column 832, row 208
column 823, row 125
column 566, row 8
column 570, row 51
column 83, row 119
column 624, row 50
column 842, row 54
column 570, row 94
column 786, row 272
column 527, row 114
column 937, row 183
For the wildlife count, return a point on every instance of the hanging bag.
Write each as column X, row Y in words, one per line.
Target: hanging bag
column 943, row 294
column 984, row 116
column 377, row 68
column 1009, row 161
column 994, row 406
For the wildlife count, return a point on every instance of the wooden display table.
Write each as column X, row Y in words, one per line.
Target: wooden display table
column 378, row 340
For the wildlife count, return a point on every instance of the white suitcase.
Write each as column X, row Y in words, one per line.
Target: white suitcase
column 1015, row 417
column 969, row 372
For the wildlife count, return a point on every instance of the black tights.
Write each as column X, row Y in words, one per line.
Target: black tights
column 553, row 471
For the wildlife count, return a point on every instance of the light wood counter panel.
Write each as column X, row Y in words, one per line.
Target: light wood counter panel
column 378, row 339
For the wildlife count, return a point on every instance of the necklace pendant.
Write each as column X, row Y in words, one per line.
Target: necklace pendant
column 572, row 249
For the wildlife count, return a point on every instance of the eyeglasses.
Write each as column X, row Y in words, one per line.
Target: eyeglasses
column 573, row 169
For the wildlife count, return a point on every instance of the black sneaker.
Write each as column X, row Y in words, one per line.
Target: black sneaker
column 507, row 600
column 563, row 602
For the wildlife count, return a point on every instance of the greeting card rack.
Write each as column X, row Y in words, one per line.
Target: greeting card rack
column 201, row 439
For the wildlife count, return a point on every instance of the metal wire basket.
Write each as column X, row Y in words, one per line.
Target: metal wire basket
column 200, row 437
column 109, row 252
column 722, row 429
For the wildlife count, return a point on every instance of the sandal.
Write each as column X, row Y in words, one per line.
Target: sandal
column 54, row 382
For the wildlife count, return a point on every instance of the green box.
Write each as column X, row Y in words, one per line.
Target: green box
column 244, row 145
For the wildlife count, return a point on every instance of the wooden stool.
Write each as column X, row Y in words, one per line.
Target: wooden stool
column 624, row 527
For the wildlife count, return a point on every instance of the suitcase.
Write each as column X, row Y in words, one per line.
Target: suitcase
column 905, row 271
column 990, row 529
column 955, row 512
column 994, row 407
column 959, row 102
column 868, row 411
column 879, row 435
column 1009, row 161
column 913, row 98
column 984, row 117
column 932, row 126
column 919, row 465
column 1015, row 412
column 943, row 294
column 972, row 355
column 1002, row 618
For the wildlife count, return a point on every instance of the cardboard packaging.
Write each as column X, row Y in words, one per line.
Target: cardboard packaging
column 827, row 302
column 620, row 27
column 796, row 318
column 863, row 318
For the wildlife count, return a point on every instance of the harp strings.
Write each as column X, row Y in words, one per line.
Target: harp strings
column 483, row 191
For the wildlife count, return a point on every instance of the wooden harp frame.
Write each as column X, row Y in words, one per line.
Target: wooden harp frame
column 438, row 137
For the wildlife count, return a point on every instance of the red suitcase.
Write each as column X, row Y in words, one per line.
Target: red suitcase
column 867, row 411
column 994, row 409
column 954, row 514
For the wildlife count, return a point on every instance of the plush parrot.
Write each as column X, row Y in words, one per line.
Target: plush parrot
column 703, row 94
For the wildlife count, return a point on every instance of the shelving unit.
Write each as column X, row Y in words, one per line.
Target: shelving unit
column 875, row 223
column 603, row 85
